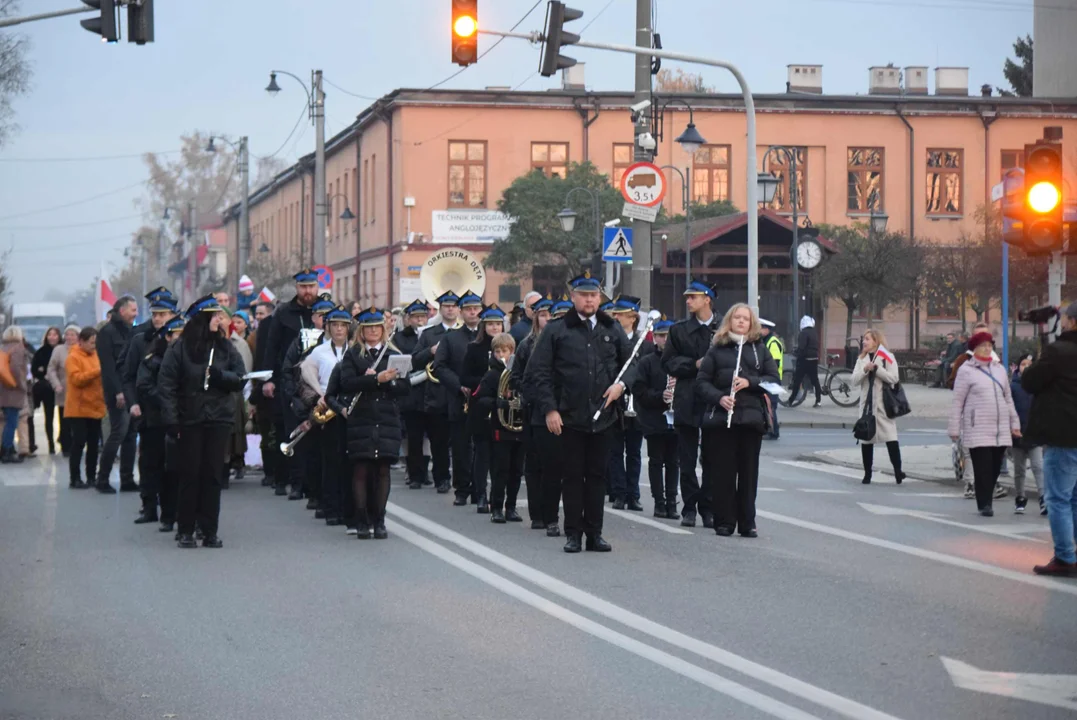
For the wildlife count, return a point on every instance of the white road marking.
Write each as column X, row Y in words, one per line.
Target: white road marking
column 832, row 701
column 1006, row 531
column 824, row 491
column 714, row 681
column 1056, row 690
column 835, row 469
column 634, row 517
column 770, row 489
column 950, row 495
column 952, row 560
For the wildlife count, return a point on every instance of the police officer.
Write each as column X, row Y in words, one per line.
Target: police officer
column 449, row 368
column 776, row 348
column 571, row 376
column 627, row 437
column 411, row 407
column 534, row 423
column 435, row 415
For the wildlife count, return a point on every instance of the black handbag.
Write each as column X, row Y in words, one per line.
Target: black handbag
column 895, row 404
column 864, row 429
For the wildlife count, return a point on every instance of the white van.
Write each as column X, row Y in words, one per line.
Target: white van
column 36, row 318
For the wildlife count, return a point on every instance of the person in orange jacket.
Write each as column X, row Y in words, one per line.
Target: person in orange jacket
column 85, row 405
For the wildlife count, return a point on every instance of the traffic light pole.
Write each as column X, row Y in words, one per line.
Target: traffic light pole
column 8, row 22
column 751, row 160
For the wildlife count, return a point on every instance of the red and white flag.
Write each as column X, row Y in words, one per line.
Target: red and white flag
column 266, row 295
column 105, row 297
column 885, row 354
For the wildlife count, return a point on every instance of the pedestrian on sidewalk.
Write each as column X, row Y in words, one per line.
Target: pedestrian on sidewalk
column 44, row 394
column 1024, row 452
column 85, row 406
column 776, row 348
column 1052, row 422
column 875, row 367
column 13, row 398
column 983, row 416
column 56, row 375
column 807, row 355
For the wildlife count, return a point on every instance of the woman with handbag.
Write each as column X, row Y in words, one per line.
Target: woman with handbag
column 730, row 380
column 44, row 393
column 875, row 370
column 983, row 416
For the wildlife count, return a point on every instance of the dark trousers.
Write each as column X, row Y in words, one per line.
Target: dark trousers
column 283, row 464
column 506, row 466
column 169, row 492
column 693, row 495
column 49, row 404
column 436, row 428
column 662, row 456
column 85, row 433
column 480, row 466
column 462, row 457
column 31, row 431
column 986, row 466
column 123, row 439
column 585, row 458
column 268, row 442
column 415, row 427
column 734, row 455
column 625, row 460
column 334, row 454
column 65, row 431
column 202, row 448
column 807, row 369
column 550, row 447
column 151, row 466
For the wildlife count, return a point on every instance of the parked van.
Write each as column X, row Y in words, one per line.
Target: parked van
column 36, row 318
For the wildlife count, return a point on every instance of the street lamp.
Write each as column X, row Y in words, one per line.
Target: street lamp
column 686, row 179
column 690, row 140
column 347, row 214
column 243, row 159
column 567, row 218
column 878, row 221
column 768, row 185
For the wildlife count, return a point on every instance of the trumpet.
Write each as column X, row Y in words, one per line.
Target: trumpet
column 288, row 449
column 205, row 382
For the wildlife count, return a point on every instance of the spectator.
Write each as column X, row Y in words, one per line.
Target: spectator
column 807, row 355
column 522, row 329
column 111, row 344
column 44, row 394
column 56, row 374
column 955, row 348
column 1052, row 422
column 13, row 398
column 1024, row 453
column 85, row 405
column 876, row 366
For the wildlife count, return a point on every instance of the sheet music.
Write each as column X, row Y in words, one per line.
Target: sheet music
column 400, row 363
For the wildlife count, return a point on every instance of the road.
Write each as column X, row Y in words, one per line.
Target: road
column 837, row 611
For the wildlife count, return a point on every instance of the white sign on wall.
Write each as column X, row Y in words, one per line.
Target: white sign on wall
column 469, row 226
column 411, row 288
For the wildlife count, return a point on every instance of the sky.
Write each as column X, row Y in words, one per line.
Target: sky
column 210, row 63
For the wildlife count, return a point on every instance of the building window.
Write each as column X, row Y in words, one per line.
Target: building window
column 467, row 173
column 373, row 188
column 366, row 191
column 710, row 174
column 623, row 156
column 776, row 164
column 551, row 158
column 549, row 280
column 1012, row 159
column 865, row 169
column 943, row 182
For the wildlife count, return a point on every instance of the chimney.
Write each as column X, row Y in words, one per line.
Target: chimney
column 985, row 90
column 916, row 80
column 952, row 81
column 805, row 79
column 884, row 80
column 572, row 78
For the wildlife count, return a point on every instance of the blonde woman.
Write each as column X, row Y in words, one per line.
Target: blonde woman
column 876, row 365
column 730, row 382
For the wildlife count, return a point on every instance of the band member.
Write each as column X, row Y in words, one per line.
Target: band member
column 572, row 373
column 653, row 391
column 475, row 366
column 198, row 375
column 159, row 457
column 506, row 449
column 688, row 342
column 373, row 428
column 284, row 327
column 331, row 437
column 560, row 308
column 411, row 407
column 435, row 403
column 535, row 427
column 449, row 368
column 627, row 438
column 730, row 382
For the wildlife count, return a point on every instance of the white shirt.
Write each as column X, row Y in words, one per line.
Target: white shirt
column 326, row 356
column 592, row 321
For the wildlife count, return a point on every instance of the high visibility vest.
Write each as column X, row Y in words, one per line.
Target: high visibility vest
column 777, row 351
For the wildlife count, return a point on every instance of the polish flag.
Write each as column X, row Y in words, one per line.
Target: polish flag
column 105, row 297
column 266, row 295
column 885, row 354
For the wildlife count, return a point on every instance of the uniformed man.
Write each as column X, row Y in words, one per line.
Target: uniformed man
column 411, row 407
column 571, row 377
column 688, row 342
column 560, row 308
column 538, row 496
column 435, row 415
column 449, row 367
column 627, row 438
column 264, row 406
column 776, row 348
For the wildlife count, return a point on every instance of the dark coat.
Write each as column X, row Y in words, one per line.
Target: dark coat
column 136, row 351
column 1022, row 403
column 482, row 412
column 516, row 381
column 112, row 342
column 688, row 341
column 290, row 380
column 148, row 389
column 288, row 320
column 1052, row 381
column 572, row 366
column 449, row 368
column 808, row 344
column 433, row 392
column 261, row 341
column 181, row 381
column 647, row 390
column 407, row 340
column 39, row 366
column 716, row 379
column 374, row 429
column 520, row 330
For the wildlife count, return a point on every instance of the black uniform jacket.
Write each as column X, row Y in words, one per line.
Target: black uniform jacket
column 147, row 387
column 433, row 393
column 290, row 381
column 647, row 390
column 716, row 380
column 516, row 381
column 406, row 341
column 688, row 341
column 288, row 320
column 573, row 365
column 181, row 381
column 449, row 368
column 482, row 412
column 374, row 428
column 1052, row 381
column 260, row 343
column 112, row 342
column 135, row 353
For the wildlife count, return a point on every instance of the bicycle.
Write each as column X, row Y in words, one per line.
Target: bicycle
column 837, row 384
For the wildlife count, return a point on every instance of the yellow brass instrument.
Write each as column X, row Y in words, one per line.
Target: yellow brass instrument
column 321, row 414
column 430, row 373
column 511, row 418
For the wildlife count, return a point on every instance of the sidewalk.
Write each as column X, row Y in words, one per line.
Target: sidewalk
column 927, row 404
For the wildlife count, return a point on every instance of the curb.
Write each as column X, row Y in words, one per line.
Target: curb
column 1005, row 480
column 816, row 424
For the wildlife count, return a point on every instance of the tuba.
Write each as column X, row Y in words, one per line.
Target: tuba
column 511, row 418
column 451, row 269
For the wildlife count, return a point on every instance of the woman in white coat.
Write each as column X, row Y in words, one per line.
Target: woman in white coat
column 877, row 365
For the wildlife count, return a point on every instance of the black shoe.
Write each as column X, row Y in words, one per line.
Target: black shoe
column 497, row 517
column 1043, row 507
column 633, row 505
column 212, row 541
column 166, row 526
column 573, row 545
column 241, row 472
column 443, row 489
column 459, row 501
column 280, row 491
column 333, row 521
column 708, row 520
column 362, row 531
column 660, row 510
column 596, row 543
column 688, row 519
column 671, row 511
column 177, row 536
column 380, row 533
column 538, row 525
column 295, row 495
column 198, row 534
column 512, row 516
column 319, row 514
column 186, row 541
column 554, row 531
column 428, row 481
column 267, row 481
column 619, row 503
column 866, row 480
column 128, row 486
column 750, row 533
column 146, row 517
column 818, row 404
column 77, row 484
column 105, row 489
column 987, row 512
column 899, row 476
column 723, row 531
column 312, row 504
column 483, row 506
column 415, row 485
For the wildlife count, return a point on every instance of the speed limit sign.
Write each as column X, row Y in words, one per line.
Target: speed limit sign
column 643, row 184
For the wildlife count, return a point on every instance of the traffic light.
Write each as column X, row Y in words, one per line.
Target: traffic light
column 105, row 25
column 1043, row 197
column 556, row 38
column 465, row 32
column 140, row 21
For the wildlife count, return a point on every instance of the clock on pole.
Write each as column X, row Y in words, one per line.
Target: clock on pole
column 809, row 254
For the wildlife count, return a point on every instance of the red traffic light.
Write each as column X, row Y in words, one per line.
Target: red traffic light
column 465, row 32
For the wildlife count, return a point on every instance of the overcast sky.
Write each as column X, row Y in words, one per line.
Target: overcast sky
column 209, row 66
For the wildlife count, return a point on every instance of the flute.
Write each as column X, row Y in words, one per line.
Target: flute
column 733, row 387
column 651, row 317
column 377, row 361
column 205, row 383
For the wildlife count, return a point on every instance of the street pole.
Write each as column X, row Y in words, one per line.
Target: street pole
column 1056, row 277
column 1005, row 305
column 244, row 208
column 794, row 197
column 145, row 302
column 8, row 22
column 638, row 281
column 319, row 169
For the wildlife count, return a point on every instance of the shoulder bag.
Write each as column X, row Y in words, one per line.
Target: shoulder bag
column 865, row 429
column 895, row 404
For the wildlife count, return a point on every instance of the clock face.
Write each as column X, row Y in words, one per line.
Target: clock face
column 809, row 254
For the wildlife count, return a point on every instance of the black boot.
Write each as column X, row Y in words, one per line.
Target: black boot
column 186, row 541
column 619, row 503
column 512, row 516
column 362, row 525
column 497, row 516
column 148, row 515
column 633, row 504
column 660, row 510
column 380, row 533
column 671, row 510
column 573, row 545
column 483, row 505
column 894, row 450
column 867, row 454
column 596, row 543
column 708, row 519
column 296, row 494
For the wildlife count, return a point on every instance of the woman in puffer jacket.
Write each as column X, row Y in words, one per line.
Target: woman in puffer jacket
column 983, row 416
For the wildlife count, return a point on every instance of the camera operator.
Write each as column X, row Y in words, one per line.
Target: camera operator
column 1052, row 422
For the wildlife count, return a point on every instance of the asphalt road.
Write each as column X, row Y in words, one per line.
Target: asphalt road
column 837, row 610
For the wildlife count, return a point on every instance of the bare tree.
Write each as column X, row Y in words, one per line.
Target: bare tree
column 14, row 71
column 274, row 271
column 679, row 81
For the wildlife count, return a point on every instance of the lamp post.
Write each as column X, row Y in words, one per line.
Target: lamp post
column 878, row 222
column 316, row 104
column 768, row 185
column 567, row 218
column 244, row 161
column 347, row 214
column 686, row 179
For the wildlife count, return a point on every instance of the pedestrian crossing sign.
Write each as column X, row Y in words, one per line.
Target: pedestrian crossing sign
column 617, row 245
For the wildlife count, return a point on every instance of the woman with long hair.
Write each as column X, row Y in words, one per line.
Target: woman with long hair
column 56, row 375
column 374, row 427
column 476, row 363
column 875, row 367
column 43, row 392
column 731, row 382
column 198, row 375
